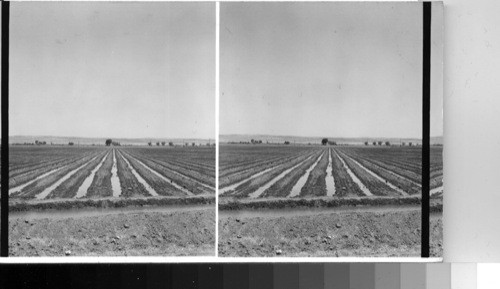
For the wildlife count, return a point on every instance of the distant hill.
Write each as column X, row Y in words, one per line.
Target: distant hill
column 101, row 141
column 317, row 140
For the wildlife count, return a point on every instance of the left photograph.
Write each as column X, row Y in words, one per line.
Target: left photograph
column 112, row 129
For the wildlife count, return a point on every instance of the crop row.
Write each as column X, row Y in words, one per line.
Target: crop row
column 184, row 170
column 39, row 185
column 197, row 159
column 255, row 183
column 240, row 176
column 390, row 176
column 69, row 188
column 241, row 156
column 101, row 183
column 181, row 181
column 396, row 170
column 284, row 186
column 344, row 184
column 316, row 184
column 280, row 179
column 374, row 185
column 66, row 178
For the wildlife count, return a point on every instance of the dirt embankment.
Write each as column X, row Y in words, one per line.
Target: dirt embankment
column 341, row 234
column 230, row 204
column 181, row 233
column 66, row 204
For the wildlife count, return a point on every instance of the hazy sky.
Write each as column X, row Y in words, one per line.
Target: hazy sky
column 112, row 69
column 323, row 69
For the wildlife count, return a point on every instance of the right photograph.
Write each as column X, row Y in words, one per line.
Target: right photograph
column 321, row 124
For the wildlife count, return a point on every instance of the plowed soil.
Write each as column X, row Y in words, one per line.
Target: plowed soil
column 150, row 233
column 383, row 233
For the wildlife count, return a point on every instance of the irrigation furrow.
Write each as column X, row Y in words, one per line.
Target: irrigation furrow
column 302, row 181
column 363, row 188
column 163, row 177
column 21, row 187
column 436, row 190
column 376, row 163
column 173, row 171
column 190, row 178
column 262, row 189
column 115, row 180
column 330, row 181
column 82, row 190
column 238, row 168
column 378, row 177
column 246, row 174
column 234, row 186
column 48, row 190
column 150, row 190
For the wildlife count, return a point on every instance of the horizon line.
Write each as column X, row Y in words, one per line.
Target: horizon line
column 278, row 135
column 110, row 137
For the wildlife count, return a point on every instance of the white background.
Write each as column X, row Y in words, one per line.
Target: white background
column 472, row 131
column 487, row 276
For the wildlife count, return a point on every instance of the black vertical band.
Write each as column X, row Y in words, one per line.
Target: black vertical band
column 4, row 214
column 426, row 106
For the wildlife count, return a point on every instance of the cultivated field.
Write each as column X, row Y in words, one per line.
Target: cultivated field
column 379, row 185
column 81, row 186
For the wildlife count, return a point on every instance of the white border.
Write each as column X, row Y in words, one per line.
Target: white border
column 217, row 37
column 205, row 259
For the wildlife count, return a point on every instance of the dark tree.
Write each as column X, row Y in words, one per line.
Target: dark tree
column 379, row 143
column 150, row 144
column 324, row 141
column 403, row 143
column 193, row 144
column 171, row 144
column 366, row 143
column 163, row 143
column 109, row 142
column 374, row 143
column 410, row 143
column 71, row 143
column 387, row 143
